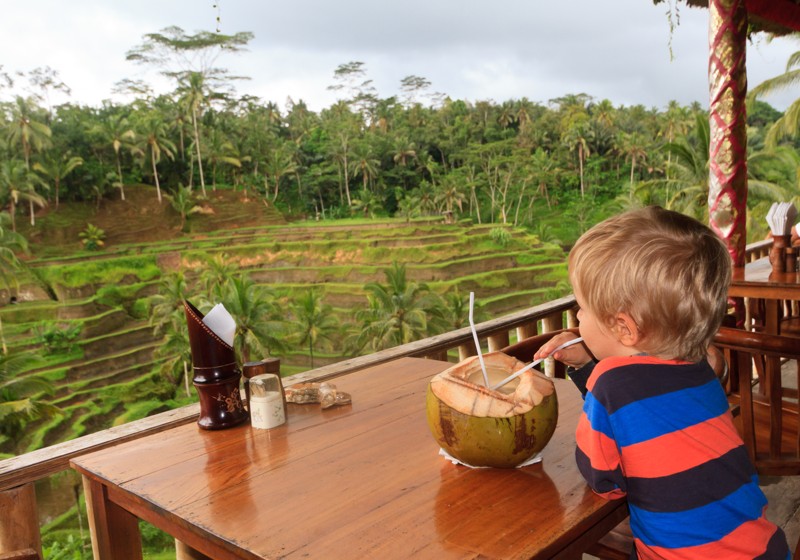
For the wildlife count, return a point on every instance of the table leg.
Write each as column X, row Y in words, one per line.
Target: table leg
column 114, row 530
column 772, row 316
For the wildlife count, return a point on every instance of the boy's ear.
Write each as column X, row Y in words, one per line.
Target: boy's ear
column 626, row 329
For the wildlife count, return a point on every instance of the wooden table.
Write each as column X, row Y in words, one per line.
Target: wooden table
column 359, row 481
column 757, row 281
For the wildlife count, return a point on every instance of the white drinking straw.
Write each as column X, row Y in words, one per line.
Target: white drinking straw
column 534, row 363
column 475, row 338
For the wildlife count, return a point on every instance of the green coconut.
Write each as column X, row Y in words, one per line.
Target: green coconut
column 486, row 428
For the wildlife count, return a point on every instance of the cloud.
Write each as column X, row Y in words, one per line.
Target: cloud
column 471, row 49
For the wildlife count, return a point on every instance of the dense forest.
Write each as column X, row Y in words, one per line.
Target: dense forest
column 516, row 161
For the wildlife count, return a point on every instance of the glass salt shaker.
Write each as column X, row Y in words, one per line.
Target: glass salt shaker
column 266, row 401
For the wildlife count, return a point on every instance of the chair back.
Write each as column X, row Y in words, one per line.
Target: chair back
column 767, row 420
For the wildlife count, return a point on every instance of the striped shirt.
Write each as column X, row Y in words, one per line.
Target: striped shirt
column 660, row 433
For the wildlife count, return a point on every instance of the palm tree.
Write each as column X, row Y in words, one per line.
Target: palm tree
column 634, row 151
column 575, row 140
column 57, row 168
column 280, row 163
column 168, row 302
column 365, row 163
column 259, row 327
column 11, row 243
column 215, row 274
column 17, row 183
column 313, row 321
column 398, row 312
column 183, row 203
column 153, row 141
column 220, row 150
column 340, row 152
column 687, row 186
column 449, row 194
column 789, row 123
column 26, row 130
column 175, row 350
column 367, row 202
column 19, row 394
column 192, row 88
column 115, row 130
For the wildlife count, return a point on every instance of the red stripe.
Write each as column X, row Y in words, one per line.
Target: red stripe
column 749, row 540
column 601, row 450
column 681, row 450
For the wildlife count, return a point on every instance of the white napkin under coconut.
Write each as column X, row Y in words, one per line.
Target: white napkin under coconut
column 533, row 460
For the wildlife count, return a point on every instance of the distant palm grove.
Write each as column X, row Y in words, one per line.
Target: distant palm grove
column 517, row 162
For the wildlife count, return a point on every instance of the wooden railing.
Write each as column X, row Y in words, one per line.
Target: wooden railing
column 19, row 526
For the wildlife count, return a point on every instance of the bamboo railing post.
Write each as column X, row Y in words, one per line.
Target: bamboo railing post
column 550, row 323
column 572, row 318
column 185, row 552
column 466, row 350
column 19, row 520
column 498, row 341
column 441, row 356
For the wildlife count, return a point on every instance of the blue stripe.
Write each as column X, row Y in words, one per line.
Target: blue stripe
column 597, row 415
column 701, row 525
column 667, row 413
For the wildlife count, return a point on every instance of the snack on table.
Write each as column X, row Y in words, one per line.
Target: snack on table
column 323, row 393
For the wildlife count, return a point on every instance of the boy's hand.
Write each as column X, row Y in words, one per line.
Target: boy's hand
column 574, row 356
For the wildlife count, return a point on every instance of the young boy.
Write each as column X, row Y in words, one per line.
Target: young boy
column 652, row 289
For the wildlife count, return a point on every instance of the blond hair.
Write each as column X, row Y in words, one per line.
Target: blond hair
column 668, row 271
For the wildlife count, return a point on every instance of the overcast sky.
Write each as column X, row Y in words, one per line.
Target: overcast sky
column 467, row 49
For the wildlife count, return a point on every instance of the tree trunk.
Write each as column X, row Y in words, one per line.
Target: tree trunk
column 121, row 185
column 199, row 157
column 347, row 183
column 580, row 165
column 13, row 212
column 155, row 173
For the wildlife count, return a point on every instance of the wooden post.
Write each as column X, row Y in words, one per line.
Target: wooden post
column 498, row 341
column 552, row 323
column 466, row 350
column 727, row 162
column 185, row 552
column 19, row 520
column 526, row 331
column 572, row 318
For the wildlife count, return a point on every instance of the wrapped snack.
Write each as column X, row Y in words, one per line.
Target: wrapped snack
column 323, row 393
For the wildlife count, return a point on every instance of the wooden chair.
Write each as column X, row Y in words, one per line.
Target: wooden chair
column 766, row 416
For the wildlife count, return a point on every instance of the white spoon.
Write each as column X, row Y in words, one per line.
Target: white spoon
column 535, row 363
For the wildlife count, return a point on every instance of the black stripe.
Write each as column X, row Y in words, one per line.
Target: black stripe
column 777, row 547
column 600, row 481
column 698, row 486
column 634, row 382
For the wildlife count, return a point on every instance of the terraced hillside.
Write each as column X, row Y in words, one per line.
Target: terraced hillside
column 109, row 376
